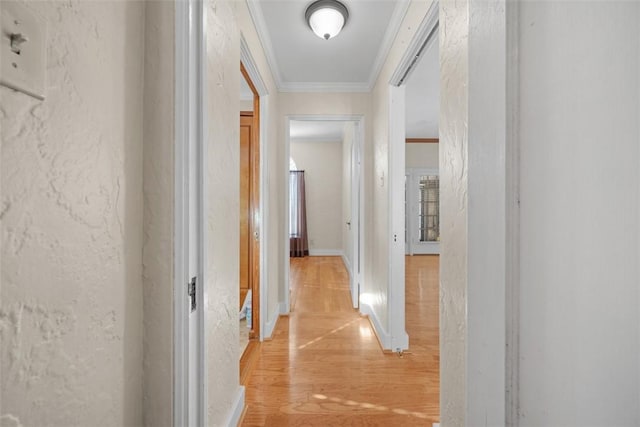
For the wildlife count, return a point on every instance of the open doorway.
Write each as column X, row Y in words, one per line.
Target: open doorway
column 249, row 227
column 422, row 212
column 414, row 182
column 324, row 203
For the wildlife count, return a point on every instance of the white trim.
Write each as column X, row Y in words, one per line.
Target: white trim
column 271, row 324
column 285, row 304
column 422, row 40
column 282, row 307
column 264, row 214
column 399, row 12
column 255, row 10
column 359, row 262
column 326, row 252
column 381, row 332
column 189, row 131
column 396, row 226
column 233, row 419
column 250, row 66
column 359, row 118
column 347, row 265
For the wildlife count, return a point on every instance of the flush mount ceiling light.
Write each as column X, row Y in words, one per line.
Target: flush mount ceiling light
column 326, row 18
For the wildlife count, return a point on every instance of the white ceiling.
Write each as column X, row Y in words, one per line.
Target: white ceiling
column 349, row 62
column 300, row 61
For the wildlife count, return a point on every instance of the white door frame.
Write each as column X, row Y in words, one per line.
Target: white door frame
column 189, row 132
column 359, row 138
column 397, row 135
column 355, row 227
column 479, row 170
column 396, row 296
column 263, row 221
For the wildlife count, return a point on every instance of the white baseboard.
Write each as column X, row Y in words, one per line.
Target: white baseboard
column 236, row 411
column 424, row 248
column 401, row 342
column 347, row 265
column 282, row 308
column 325, row 252
column 271, row 324
column 382, row 334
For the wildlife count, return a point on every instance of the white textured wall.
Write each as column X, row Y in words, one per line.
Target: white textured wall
column 580, row 325
column 222, row 221
column 159, row 183
column 322, row 163
column 421, row 155
column 71, row 221
column 454, row 70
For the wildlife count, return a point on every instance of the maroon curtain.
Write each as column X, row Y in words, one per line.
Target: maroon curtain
column 298, row 241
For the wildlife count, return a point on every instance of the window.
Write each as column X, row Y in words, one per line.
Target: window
column 422, row 211
column 294, row 202
column 429, row 208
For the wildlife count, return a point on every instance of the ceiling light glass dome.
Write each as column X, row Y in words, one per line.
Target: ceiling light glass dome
column 326, row 18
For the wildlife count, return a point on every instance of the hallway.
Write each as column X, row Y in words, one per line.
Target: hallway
column 325, row 367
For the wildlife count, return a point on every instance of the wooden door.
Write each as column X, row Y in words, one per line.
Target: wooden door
column 249, row 214
column 246, row 123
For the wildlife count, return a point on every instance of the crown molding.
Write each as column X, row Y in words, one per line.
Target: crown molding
column 255, row 10
column 393, row 28
column 250, row 66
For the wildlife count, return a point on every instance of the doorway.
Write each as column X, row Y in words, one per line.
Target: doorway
column 310, row 138
column 422, row 210
column 249, row 226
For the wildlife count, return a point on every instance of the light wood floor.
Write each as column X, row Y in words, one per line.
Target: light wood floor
column 324, row 366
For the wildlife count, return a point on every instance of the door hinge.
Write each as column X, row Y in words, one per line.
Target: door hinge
column 191, row 290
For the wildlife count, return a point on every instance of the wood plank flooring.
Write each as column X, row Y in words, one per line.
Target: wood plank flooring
column 324, row 366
